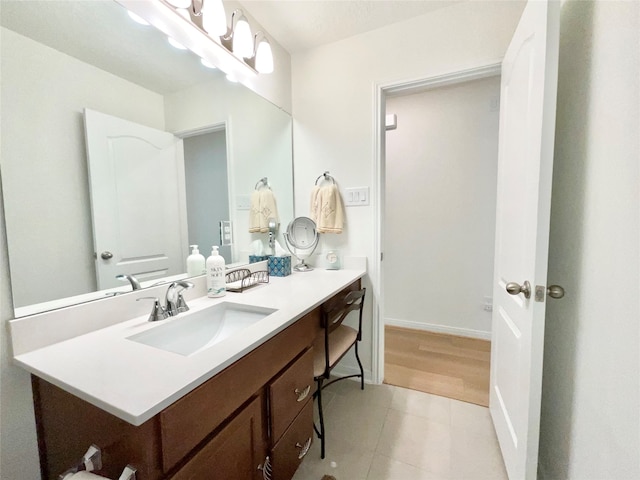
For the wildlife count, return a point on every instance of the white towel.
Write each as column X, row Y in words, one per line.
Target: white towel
column 327, row 209
column 263, row 208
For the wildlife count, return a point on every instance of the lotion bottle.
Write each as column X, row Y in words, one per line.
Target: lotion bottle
column 195, row 262
column 216, row 285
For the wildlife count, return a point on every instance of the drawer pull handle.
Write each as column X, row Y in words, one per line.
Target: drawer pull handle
column 302, row 394
column 304, row 448
column 266, row 469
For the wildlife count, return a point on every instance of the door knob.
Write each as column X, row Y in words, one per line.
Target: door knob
column 106, row 255
column 514, row 288
column 555, row 291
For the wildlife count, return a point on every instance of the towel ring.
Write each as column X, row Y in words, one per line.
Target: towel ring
column 326, row 177
column 264, row 182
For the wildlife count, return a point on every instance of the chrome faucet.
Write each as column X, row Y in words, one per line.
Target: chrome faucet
column 135, row 284
column 174, row 301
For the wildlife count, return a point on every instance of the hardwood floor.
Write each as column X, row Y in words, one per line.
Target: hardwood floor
column 446, row 365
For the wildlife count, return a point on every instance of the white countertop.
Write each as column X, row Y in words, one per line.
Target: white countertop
column 134, row 381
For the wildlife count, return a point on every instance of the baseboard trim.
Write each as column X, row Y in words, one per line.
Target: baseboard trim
column 430, row 327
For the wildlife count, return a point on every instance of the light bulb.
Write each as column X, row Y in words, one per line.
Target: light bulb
column 137, row 18
column 214, row 19
column 176, row 44
column 207, row 63
column 264, row 57
column 180, row 3
column 242, row 38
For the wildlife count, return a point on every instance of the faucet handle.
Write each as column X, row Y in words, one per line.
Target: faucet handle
column 181, row 305
column 158, row 312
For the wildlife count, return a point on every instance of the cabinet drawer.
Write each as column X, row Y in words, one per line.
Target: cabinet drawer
column 192, row 418
column 235, row 452
column 290, row 392
column 294, row 445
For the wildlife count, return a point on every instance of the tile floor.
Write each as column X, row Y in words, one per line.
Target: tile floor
column 392, row 433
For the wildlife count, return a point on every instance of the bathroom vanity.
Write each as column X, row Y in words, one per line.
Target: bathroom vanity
column 235, row 410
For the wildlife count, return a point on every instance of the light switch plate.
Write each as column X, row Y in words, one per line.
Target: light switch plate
column 243, row 202
column 357, row 196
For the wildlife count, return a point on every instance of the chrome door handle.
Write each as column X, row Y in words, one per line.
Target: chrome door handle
column 106, row 255
column 555, row 291
column 514, row 288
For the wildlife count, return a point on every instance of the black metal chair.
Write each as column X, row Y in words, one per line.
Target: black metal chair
column 329, row 348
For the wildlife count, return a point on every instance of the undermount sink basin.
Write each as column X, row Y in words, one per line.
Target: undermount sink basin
column 194, row 332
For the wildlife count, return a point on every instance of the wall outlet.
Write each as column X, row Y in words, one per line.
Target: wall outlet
column 487, row 306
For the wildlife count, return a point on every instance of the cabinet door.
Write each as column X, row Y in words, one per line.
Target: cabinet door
column 234, row 453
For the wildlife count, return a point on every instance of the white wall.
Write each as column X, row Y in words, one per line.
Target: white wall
column 44, row 162
column 333, row 98
column 590, row 425
column 440, row 199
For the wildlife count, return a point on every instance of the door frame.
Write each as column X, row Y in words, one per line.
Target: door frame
column 223, row 125
column 381, row 92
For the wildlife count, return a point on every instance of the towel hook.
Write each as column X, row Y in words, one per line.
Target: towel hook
column 264, row 181
column 327, row 177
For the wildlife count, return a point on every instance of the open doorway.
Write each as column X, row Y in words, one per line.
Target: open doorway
column 439, row 180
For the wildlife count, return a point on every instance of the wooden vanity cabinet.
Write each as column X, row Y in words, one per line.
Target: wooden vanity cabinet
column 257, row 410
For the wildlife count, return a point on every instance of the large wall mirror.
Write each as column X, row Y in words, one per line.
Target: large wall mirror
column 60, row 58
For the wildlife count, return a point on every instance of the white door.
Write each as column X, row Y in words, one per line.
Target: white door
column 525, row 159
column 136, row 177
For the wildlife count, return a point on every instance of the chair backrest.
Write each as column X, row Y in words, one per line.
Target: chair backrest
column 334, row 313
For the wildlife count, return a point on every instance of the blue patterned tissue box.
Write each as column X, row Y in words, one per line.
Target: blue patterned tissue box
column 279, row 266
column 257, row 258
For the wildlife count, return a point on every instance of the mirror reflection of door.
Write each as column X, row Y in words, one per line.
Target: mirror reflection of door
column 136, row 179
column 205, row 165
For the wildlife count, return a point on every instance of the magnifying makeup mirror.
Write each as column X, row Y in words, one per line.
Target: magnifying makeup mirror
column 301, row 239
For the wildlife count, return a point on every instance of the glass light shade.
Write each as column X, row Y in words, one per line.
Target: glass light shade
column 176, row 44
column 180, row 3
column 242, row 38
column 207, row 63
column 214, row 19
column 264, row 57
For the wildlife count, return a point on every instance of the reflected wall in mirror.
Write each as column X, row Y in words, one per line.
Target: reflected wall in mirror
column 60, row 57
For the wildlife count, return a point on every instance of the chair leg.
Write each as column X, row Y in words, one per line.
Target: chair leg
column 321, row 415
column 361, row 369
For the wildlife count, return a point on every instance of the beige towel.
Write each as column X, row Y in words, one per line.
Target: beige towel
column 263, row 207
column 330, row 210
column 314, row 209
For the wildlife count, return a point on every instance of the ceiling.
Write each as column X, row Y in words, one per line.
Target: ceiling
column 299, row 25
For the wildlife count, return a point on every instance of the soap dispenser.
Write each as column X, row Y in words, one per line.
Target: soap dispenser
column 195, row 262
column 216, row 284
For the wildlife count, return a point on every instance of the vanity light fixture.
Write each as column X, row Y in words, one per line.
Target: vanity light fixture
column 238, row 38
column 201, row 27
column 262, row 59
